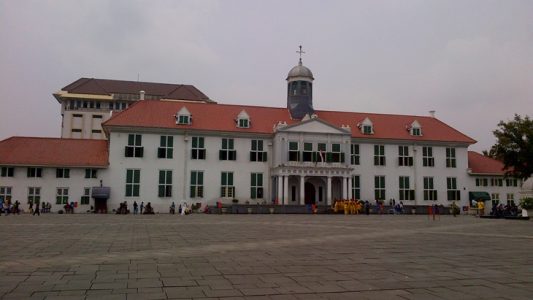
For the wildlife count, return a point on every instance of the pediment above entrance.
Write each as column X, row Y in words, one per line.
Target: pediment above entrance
column 315, row 126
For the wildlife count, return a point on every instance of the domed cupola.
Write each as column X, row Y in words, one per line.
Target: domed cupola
column 300, row 90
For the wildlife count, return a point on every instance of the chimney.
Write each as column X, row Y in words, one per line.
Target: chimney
column 141, row 95
column 432, row 113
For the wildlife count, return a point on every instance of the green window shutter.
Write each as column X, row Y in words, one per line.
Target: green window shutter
column 170, row 141
column 329, row 157
column 161, row 177
column 223, row 179
column 193, row 177
column 200, row 178
column 230, row 178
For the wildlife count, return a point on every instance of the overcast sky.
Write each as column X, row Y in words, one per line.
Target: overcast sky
column 471, row 61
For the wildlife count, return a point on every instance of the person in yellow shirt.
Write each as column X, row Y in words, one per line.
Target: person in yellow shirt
column 480, row 207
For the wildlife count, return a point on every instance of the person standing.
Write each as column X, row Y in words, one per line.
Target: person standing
column 36, row 211
column 135, row 207
column 142, row 207
column 454, row 209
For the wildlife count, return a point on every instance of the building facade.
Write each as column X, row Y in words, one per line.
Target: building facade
column 197, row 151
column 88, row 102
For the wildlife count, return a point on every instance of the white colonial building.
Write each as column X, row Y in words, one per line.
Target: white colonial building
column 194, row 150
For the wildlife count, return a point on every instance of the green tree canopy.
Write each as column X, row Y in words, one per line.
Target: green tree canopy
column 514, row 146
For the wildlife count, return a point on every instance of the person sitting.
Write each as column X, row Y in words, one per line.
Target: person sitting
column 148, row 210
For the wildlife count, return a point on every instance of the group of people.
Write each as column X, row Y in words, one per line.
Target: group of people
column 144, row 209
column 508, row 210
column 8, row 207
column 350, row 206
column 182, row 209
column 149, row 210
column 69, row 208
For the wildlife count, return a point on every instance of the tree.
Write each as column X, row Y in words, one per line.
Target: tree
column 514, row 146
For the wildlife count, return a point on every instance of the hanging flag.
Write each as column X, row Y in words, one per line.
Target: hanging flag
column 321, row 156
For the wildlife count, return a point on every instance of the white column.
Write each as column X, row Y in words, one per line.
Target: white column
column 286, row 190
column 279, row 195
column 350, row 195
column 328, row 191
column 344, row 185
column 302, row 190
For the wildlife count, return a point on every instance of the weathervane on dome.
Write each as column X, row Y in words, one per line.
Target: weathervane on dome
column 300, row 52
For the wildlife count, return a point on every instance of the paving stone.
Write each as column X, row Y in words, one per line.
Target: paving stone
column 264, row 257
column 184, row 292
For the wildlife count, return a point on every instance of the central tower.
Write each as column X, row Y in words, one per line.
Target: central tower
column 300, row 90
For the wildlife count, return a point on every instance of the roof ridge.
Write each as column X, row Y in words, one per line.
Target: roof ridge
column 474, row 141
column 79, row 82
column 139, row 82
column 179, row 86
column 49, row 138
column 115, row 115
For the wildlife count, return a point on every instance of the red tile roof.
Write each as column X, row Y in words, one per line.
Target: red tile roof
column 480, row 164
column 221, row 117
column 95, row 86
column 36, row 151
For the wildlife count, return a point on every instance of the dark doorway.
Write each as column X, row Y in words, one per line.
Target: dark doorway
column 100, row 205
column 310, row 193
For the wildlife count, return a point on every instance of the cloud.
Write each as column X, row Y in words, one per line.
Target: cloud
column 470, row 61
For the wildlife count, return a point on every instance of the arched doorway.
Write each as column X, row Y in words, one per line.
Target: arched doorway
column 310, row 193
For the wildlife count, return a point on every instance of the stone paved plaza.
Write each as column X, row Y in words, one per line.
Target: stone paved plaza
column 264, row 257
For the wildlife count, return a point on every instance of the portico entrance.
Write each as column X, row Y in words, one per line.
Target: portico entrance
column 304, row 186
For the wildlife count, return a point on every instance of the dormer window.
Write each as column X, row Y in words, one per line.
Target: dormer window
column 183, row 117
column 243, row 120
column 366, row 127
column 244, row 123
column 415, row 129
